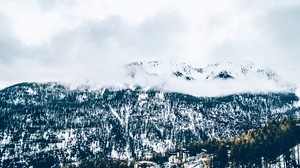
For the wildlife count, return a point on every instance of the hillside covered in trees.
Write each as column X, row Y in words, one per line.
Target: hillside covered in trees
column 276, row 141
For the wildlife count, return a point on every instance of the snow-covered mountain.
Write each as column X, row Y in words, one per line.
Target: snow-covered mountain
column 44, row 124
column 224, row 70
column 212, row 80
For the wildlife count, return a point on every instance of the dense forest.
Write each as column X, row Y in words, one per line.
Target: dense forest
column 276, row 141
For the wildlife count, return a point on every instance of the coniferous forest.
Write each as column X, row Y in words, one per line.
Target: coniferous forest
column 277, row 142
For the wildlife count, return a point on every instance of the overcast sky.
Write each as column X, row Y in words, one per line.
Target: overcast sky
column 49, row 40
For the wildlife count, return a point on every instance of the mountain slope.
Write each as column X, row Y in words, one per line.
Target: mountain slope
column 52, row 121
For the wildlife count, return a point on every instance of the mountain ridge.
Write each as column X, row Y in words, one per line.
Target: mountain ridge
column 212, row 80
column 53, row 121
column 211, row 71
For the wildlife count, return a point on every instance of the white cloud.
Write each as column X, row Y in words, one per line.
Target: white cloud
column 95, row 50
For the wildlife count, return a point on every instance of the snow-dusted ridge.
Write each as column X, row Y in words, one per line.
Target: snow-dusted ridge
column 218, row 79
column 212, row 71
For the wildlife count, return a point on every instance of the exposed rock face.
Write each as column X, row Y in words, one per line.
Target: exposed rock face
column 49, row 123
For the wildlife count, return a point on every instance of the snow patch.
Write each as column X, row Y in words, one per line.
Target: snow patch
column 81, row 98
column 116, row 115
column 30, row 91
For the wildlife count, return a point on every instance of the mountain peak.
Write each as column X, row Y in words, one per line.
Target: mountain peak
column 221, row 78
column 222, row 70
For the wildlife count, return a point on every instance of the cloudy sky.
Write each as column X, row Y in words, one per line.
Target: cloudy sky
column 54, row 40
